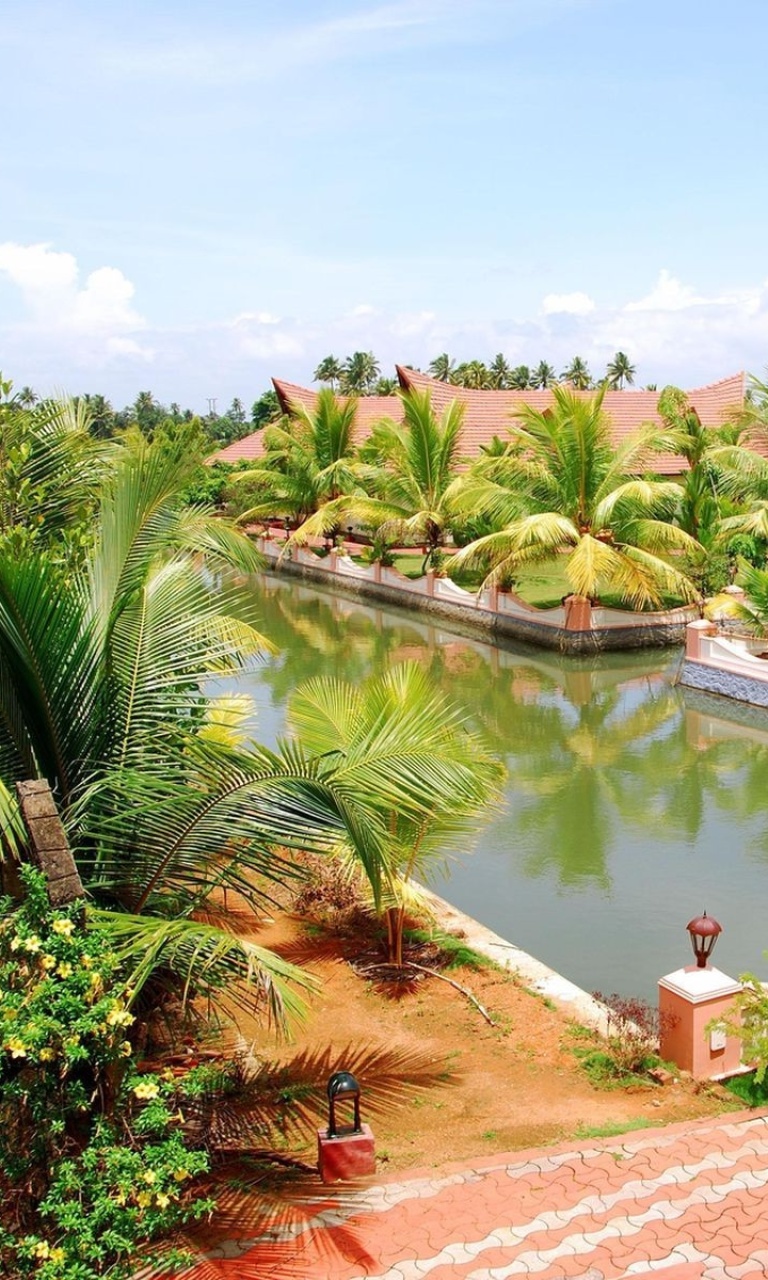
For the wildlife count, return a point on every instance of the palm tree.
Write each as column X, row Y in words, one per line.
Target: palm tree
column 360, row 372
column 401, row 720
column 499, row 372
column 27, row 397
column 441, row 367
column 386, row 387
column 520, row 377
column 543, row 376
column 50, row 470
column 566, row 490
column 473, row 375
column 102, row 676
column 329, row 370
column 620, row 371
column 577, row 374
column 409, row 478
column 309, row 460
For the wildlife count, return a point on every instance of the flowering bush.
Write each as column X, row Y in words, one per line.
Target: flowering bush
column 95, row 1169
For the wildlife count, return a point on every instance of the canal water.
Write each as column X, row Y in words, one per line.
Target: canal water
column 631, row 805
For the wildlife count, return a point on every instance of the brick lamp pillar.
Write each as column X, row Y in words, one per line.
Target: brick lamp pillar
column 692, row 1001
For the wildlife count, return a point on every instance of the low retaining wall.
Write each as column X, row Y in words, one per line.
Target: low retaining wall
column 494, row 614
column 726, row 684
column 715, row 663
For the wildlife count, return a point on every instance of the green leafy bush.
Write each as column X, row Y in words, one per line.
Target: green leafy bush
column 95, row 1168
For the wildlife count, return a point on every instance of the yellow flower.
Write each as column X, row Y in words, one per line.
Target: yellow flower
column 64, row 969
column 16, row 1047
column 57, row 1255
column 16, row 943
column 96, row 981
column 48, row 962
column 32, row 943
column 126, row 1049
column 47, row 1054
column 86, row 962
column 42, row 1249
column 120, row 1017
column 147, row 1089
column 143, row 1199
column 64, row 927
column 150, row 1176
column 162, row 1200
column 181, row 1175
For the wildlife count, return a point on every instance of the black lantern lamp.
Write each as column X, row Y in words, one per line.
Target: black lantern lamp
column 342, row 1086
column 704, row 931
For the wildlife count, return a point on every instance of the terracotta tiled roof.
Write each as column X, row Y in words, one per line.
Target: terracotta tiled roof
column 489, row 413
column 370, row 409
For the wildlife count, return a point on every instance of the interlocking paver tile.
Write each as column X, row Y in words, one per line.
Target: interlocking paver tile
column 693, row 1198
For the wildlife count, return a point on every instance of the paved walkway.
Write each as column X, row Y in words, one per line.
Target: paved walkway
column 685, row 1203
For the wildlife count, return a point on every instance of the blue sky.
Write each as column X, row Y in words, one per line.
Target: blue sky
column 195, row 197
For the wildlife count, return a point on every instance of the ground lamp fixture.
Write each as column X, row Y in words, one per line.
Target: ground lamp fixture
column 345, row 1152
column 704, row 931
column 343, row 1086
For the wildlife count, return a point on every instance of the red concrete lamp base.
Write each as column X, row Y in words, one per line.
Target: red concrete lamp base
column 346, row 1157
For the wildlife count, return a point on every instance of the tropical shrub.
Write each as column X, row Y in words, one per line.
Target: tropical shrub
column 95, row 1167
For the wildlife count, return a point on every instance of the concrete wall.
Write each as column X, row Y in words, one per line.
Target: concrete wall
column 496, row 614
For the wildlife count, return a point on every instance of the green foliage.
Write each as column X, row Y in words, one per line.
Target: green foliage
column 95, row 1168
column 563, row 488
column 455, row 954
column 265, row 410
column 629, row 1050
column 208, row 486
column 749, row 1089
column 428, row 775
column 749, row 1021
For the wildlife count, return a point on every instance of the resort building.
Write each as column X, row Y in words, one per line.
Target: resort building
column 489, row 413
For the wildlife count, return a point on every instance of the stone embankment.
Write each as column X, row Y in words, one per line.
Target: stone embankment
column 725, row 663
column 572, row 627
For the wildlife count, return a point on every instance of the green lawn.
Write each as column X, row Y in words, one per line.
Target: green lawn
column 543, row 585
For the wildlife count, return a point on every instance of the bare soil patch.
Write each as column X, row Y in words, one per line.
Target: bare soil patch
column 439, row 1084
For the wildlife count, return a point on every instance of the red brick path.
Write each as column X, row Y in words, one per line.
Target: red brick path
column 685, row 1203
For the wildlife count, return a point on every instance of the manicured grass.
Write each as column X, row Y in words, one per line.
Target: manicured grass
column 543, row 585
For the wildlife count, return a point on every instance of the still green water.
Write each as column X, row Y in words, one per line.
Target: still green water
column 631, row 805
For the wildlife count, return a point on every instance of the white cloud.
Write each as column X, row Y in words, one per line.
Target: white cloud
column 93, row 321
column 669, row 294
column 673, row 332
column 572, row 304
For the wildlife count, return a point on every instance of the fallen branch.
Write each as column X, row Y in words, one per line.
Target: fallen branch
column 434, row 973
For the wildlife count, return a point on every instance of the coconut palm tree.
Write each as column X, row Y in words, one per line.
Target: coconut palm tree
column 50, row 470
column 473, row 375
column 359, row 373
column 401, row 717
column 441, row 367
column 329, row 370
column 309, row 460
column 566, row 490
column 620, row 371
column 543, row 376
column 386, row 387
column 103, row 671
column 407, row 483
column 577, row 374
column 499, row 372
column 520, row 377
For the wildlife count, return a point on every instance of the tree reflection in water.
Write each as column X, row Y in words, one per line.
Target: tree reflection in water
column 594, row 746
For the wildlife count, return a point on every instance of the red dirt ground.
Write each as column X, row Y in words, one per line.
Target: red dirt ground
column 438, row 1083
